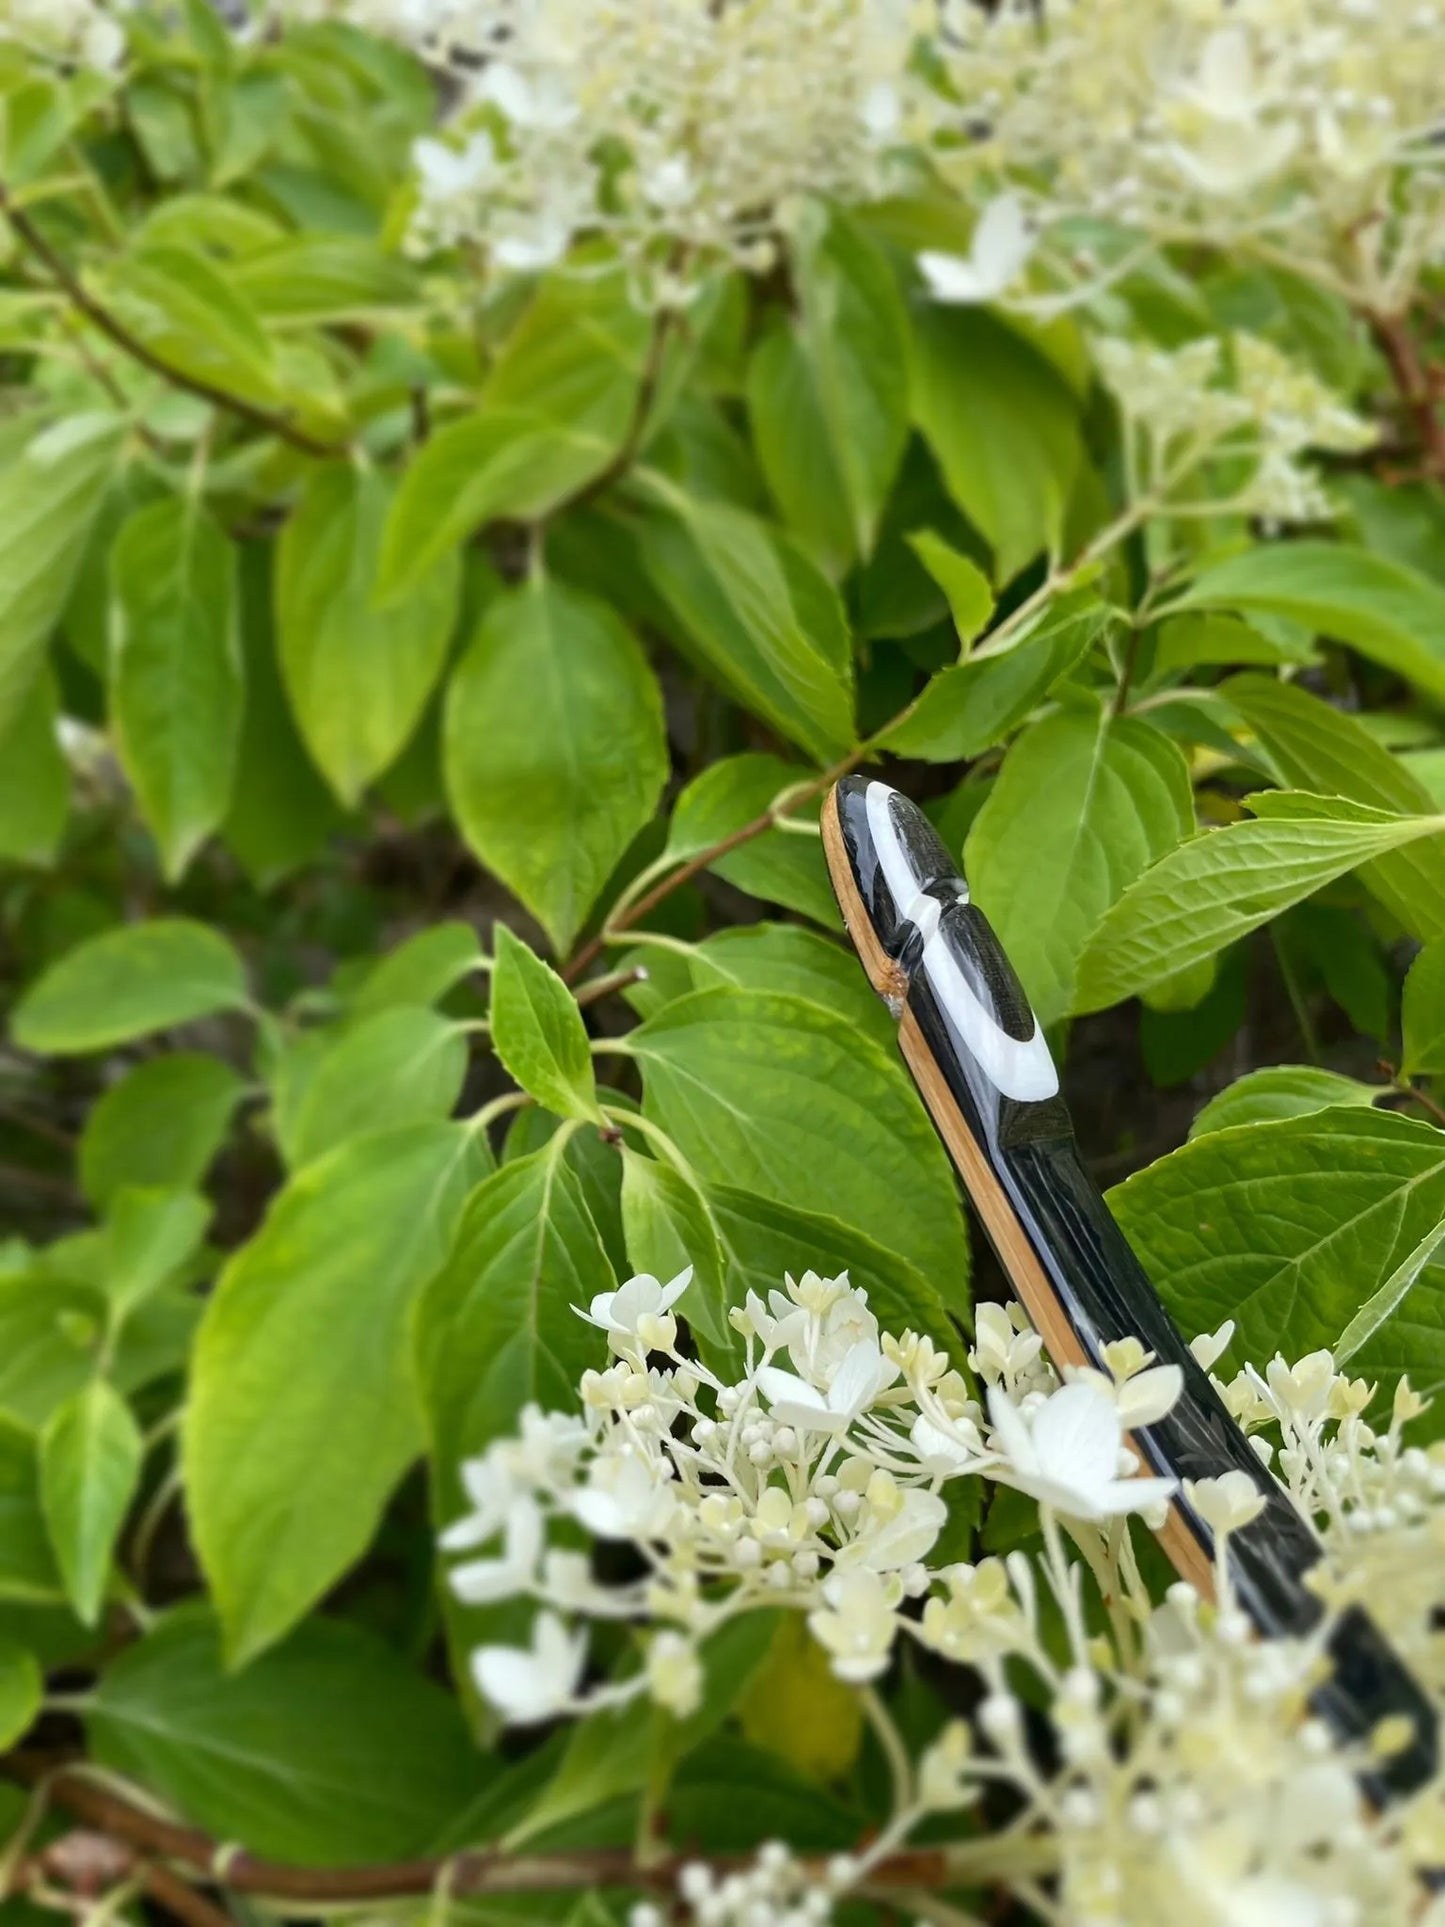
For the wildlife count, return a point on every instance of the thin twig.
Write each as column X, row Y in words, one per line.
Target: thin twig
column 685, row 872
column 116, row 331
column 1415, row 387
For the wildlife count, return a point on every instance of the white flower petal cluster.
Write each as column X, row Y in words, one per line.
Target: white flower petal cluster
column 1243, row 402
column 683, row 131
column 1377, row 1499
column 819, row 1483
column 1304, row 130
column 71, row 33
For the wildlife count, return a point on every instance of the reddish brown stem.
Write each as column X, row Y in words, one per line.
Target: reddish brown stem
column 478, row 1871
column 1416, row 385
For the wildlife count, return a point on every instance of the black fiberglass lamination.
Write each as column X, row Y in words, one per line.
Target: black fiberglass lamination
column 1099, row 1283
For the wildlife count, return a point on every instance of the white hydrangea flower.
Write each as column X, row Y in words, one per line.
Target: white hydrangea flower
column 1067, row 1452
column 80, row 33
column 527, row 1684
column 637, row 1317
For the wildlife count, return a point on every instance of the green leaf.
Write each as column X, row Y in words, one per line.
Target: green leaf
column 553, row 702
column 1422, row 1013
column 790, row 1102
column 496, row 1327
column 176, row 671
column 187, row 311
column 1291, row 1227
column 554, row 413
column 358, row 675
column 829, row 399
column 1191, row 641
column 1381, row 608
column 150, row 1237
column 780, row 866
column 285, row 1492
column 316, row 280
column 973, row 704
column 90, row 1464
column 160, row 1126
column 538, row 1033
column 1211, row 890
column 34, row 778
column 1281, row 1090
column 785, row 957
column 970, row 599
column 27, row 1564
column 402, row 1065
column 762, row 1240
column 328, row 1751
column 1316, row 747
column 1385, row 1302
column 1003, row 425
column 126, row 983
column 668, row 1225
column 1084, row 803
column 758, row 615
column 22, row 1689
column 51, row 489
column 51, row 1329
column 422, row 969
column 281, row 812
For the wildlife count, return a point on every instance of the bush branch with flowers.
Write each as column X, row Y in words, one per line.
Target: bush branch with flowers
column 473, row 473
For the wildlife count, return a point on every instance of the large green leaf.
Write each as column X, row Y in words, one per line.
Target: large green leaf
column 357, row 675
column 281, row 811
column 972, row 704
column 762, row 1240
column 538, row 1032
column 758, row 615
column 51, row 489
column 328, row 1751
column 401, row 1065
column 160, row 1125
column 829, row 397
column 1004, row 426
column 780, row 866
column 1290, row 1227
column 554, row 703
column 1213, row 889
column 1084, row 803
column 1280, row 1090
column 496, row 1327
column 90, row 1463
column 422, row 969
column 301, row 1415
column 34, row 777
column 1380, row 607
column 791, row 1102
column 1317, row 747
column 127, row 982
column 22, row 1689
column 767, row 956
column 176, row 671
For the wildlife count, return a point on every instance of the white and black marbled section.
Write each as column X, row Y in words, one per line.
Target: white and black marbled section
column 971, row 1010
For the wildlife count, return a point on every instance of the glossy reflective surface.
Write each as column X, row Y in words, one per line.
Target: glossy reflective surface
column 971, row 1010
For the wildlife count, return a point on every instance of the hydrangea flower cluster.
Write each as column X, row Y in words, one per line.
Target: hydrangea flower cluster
column 1305, row 131
column 819, row 1484
column 1179, row 411
column 682, row 131
column 1185, row 1759
column 75, row 33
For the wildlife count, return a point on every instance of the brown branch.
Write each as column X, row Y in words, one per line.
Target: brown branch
column 1416, row 385
column 476, row 1871
column 685, row 872
column 116, row 331
column 178, row 1897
